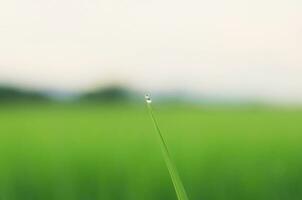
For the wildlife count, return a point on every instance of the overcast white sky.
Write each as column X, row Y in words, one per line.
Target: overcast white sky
column 247, row 48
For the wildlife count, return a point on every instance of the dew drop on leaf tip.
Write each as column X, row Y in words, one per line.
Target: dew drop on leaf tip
column 148, row 98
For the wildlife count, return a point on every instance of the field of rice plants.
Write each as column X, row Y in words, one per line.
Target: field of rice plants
column 111, row 152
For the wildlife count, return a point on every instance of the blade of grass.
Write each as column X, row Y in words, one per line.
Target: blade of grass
column 179, row 188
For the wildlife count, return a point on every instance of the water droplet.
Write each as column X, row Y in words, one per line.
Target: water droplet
column 148, row 98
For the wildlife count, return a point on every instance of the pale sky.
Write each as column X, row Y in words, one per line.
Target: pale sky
column 240, row 48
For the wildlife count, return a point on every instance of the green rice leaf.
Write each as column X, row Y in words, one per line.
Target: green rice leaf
column 179, row 188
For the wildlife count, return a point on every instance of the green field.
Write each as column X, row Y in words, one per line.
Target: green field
column 111, row 152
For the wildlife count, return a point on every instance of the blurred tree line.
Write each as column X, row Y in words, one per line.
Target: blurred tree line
column 8, row 94
column 108, row 94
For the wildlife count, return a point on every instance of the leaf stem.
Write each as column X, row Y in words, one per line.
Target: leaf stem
column 179, row 188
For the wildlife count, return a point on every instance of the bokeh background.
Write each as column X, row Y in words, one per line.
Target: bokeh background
column 226, row 81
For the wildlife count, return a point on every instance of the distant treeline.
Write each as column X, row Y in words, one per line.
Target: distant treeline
column 109, row 94
column 8, row 94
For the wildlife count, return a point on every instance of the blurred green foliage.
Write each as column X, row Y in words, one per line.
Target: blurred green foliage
column 110, row 152
column 109, row 94
column 8, row 94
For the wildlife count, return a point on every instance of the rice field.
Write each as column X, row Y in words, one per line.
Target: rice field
column 111, row 152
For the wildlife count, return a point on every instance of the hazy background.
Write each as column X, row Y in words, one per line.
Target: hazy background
column 233, row 48
column 225, row 78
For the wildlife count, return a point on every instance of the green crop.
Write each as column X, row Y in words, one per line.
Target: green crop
column 179, row 188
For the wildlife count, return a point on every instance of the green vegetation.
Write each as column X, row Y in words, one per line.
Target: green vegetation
column 8, row 94
column 178, row 185
column 109, row 94
column 110, row 152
